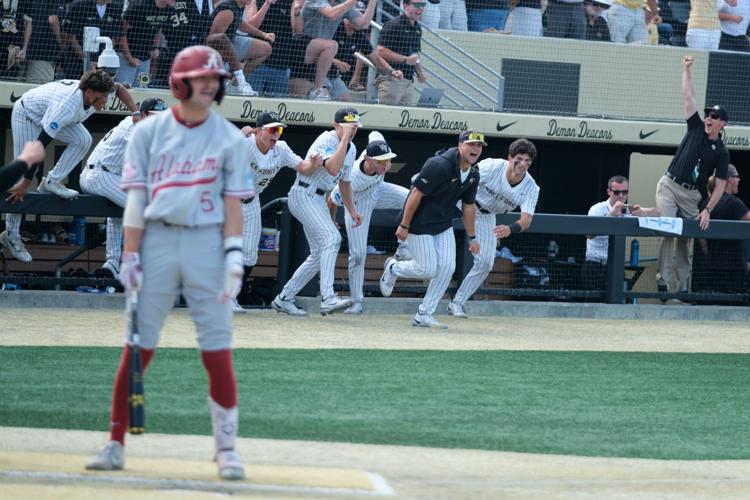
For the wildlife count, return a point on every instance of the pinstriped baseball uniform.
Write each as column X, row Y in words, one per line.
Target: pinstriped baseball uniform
column 186, row 171
column 264, row 168
column 308, row 205
column 370, row 192
column 496, row 196
column 57, row 108
column 101, row 176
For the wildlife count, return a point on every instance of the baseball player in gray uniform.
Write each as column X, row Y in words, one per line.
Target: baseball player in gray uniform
column 185, row 175
column 504, row 185
column 268, row 155
column 307, row 202
column 370, row 192
column 104, row 170
column 427, row 223
column 56, row 110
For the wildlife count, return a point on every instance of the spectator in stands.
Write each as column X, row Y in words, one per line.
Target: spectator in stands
column 188, row 25
column 227, row 19
column 734, row 22
column 566, row 19
column 486, row 14
column 430, row 16
column 453, row 15
column 659, row 32
column 103, row 174
column 627, row 21
column 321, row 19
column 272, row 77
column 301, row 74
column 142, row 23
column 724, row 262
column 681, row 189
column 103, row 14
column 594, row 272
column 525, row 18
column 703, row 28
column 45, row 42
column 596, row 25
column 399, row 46
column 56, row 110
column 33, row 153
column 15, row 34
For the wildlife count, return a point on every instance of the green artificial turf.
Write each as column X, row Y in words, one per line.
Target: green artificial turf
column 658, row 405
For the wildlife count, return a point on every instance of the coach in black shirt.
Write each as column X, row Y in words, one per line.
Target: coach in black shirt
column 426, row 222
column 681, row 189
column 44, row 46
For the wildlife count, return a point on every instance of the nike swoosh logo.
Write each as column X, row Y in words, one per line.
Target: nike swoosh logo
column 13, row 97
column 647, row 134
column 500, row 128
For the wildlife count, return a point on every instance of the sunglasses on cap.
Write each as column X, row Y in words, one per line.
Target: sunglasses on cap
column 620, row 192
column 274, row 130
column 350, row 118
column 475, row 136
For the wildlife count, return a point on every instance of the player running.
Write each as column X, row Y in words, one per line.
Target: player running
column 504, row 185
column 56, row 110
column 370, row 192
column 185, row 176
column 307, row 202
column 104, row 171
column 268, row 155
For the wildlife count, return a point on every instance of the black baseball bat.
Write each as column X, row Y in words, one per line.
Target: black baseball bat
column 136, row 408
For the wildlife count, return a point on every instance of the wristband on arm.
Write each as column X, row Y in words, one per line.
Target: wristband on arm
column 515, row 228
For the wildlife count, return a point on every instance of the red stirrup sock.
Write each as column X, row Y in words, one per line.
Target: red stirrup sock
column 120, row 415
column 221, row 384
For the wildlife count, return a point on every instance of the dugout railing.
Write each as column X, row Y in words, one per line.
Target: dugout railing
column 551, row 255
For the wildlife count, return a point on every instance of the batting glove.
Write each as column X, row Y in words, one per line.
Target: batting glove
column 131, row 275
column 233, row 269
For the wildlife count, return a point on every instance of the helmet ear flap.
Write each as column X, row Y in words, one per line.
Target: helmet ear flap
column 188, row 88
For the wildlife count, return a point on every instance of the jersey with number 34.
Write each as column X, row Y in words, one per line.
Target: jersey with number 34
column 187, row 170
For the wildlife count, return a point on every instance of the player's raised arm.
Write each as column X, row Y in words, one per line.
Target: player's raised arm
column 687, row 87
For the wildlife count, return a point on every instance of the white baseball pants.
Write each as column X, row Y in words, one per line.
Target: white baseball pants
column 107, row 184
column 483, row 261
column 251, row 229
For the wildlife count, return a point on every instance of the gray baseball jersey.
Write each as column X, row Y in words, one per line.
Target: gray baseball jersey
column 325, row 145
column 186, row 170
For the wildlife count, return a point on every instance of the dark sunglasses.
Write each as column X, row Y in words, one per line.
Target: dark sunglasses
column 619, row 192
column 419, row 5
column 713, row 116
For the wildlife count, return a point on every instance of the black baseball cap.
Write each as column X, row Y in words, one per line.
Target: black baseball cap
column 269, row 119
column 347, row 115
column 152, row 105
column 379, row 150
column 721, row 112
column 472, row 136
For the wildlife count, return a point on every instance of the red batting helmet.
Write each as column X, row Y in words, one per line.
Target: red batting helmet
column 193, row 62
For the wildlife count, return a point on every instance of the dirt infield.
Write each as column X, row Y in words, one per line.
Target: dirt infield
column 411, row 472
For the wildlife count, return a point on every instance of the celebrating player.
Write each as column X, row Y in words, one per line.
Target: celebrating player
column 56, row 110
column 503, row 186
column 102, row 176
column 370, row 192
column 185, row 175
column 307, row 203
column 427, row 223
column 268, row 155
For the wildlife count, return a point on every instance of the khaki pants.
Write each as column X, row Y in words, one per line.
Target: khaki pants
column 396, row 91
column 673, row 200
column 40, row 71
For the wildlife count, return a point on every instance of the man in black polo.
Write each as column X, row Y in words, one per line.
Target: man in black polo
column 426, row 223
column 103, row 14
column 45, row 42
column 680, row 191
column 400, row 44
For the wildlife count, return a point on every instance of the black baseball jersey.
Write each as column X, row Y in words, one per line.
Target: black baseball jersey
column 440, row 183
column 43, row 45
column 187, row 26
column 84, row 13
column 145, row 20
column 697, row 157
column 729, row 208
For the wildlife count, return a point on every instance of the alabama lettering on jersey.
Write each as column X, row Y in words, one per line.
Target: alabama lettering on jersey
column 325, row 145
column 55, row 105
column 495, row 193
column 187, row 170
column 264, row 167
column 110, row 151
